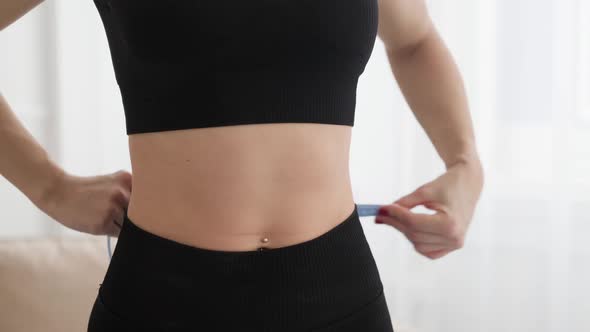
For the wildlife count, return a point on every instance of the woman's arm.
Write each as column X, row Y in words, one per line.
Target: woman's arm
column 428, row 78
column 24, row 162
column 90, row 204
column 433, row 88
column 11, row 10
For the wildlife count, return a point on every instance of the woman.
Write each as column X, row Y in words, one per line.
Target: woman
column 239, row 118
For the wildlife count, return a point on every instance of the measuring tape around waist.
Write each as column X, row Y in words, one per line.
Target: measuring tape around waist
column 364, row 210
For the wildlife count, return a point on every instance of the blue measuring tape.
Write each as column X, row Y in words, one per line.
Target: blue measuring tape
column 364, row 210
column 368, row 210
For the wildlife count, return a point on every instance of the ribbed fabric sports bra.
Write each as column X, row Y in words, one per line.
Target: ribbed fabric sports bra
column 183, row 64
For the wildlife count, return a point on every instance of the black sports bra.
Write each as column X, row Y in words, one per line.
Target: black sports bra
column 186, row 64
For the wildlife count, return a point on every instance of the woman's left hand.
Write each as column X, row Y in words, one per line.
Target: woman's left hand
column 453, row 195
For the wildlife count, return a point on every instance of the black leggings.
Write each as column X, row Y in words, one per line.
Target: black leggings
column 329, row 283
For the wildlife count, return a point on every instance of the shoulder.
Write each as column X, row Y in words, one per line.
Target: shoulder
column 403, row 23
column 12, row 10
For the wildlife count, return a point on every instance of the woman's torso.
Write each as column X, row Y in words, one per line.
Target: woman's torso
column 282, row 74
column 227, row 188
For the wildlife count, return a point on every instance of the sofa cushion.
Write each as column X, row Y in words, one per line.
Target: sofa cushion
column 50, row 283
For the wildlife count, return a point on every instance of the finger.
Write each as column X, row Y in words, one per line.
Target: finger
column 438, row 253
column 429, row 248
column 118, row 224
column 115, row 222
column 392, row 222
column 417, row 197
column 125, row 177
column 109, row 227
column 119, row 220
column 122, row 197
column 423, row 222
column 113, row 230
column 429, row 238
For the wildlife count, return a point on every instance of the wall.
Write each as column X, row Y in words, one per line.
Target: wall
column 526, row 66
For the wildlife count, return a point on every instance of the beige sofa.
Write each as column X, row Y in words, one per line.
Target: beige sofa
column 49, row 284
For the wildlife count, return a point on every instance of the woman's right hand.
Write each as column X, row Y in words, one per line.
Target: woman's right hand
column 90, row 204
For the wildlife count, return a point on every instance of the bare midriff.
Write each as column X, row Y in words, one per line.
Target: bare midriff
column 241, row 187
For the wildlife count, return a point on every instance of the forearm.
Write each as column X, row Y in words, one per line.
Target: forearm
column 433, row 88
column 23, row 161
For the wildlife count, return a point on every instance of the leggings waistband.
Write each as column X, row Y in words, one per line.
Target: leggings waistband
column 151, row 277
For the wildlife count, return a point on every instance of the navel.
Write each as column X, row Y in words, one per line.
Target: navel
column 263, row 240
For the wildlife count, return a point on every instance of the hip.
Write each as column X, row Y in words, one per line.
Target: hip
column 325, row 283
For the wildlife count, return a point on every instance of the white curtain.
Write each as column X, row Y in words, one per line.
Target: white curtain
column 526, row 262
column 526, row 65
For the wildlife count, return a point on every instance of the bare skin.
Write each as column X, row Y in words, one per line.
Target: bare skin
column 227, row 188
